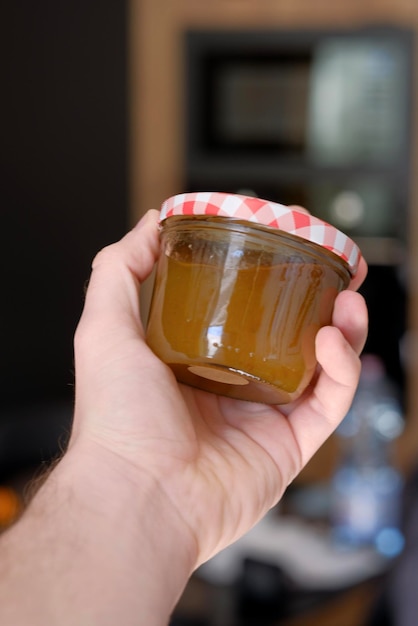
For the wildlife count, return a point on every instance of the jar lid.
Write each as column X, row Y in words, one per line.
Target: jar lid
column 265, row 213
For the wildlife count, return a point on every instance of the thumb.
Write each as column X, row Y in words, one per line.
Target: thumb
column 109, row 336
column 112, row 298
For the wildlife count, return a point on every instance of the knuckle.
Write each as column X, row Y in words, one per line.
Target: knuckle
column 108, row 254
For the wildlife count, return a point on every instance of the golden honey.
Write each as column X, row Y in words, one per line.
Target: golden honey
column 236, row 306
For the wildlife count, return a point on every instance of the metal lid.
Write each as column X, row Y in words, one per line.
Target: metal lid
column 290, row 220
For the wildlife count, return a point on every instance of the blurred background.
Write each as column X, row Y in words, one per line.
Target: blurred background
column 109, row 108
column 63, row 154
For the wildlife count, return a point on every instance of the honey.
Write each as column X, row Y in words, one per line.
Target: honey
column 236, row 306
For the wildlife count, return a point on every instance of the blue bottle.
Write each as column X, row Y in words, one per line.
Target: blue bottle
column 367, row 488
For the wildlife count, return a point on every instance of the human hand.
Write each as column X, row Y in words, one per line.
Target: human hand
column 215, row 464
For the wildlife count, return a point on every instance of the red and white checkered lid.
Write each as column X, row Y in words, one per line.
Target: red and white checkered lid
column 266, row 213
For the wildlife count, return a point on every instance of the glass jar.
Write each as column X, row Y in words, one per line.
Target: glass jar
column 237, row 303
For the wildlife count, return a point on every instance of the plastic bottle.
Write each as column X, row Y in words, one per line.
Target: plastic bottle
column 366, row 487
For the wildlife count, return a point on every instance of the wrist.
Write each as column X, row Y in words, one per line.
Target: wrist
column 147, row 535
column 107, row 547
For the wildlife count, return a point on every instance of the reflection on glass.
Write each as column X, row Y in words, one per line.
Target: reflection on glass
column 356, row 101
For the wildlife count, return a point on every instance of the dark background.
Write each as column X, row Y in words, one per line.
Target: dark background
column 63, row 196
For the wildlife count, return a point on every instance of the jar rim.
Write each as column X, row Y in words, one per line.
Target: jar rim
column 265, row 213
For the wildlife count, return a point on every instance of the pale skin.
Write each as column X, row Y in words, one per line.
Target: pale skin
column 158, row 477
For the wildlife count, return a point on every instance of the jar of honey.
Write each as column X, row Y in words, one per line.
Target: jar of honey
column 242, row 286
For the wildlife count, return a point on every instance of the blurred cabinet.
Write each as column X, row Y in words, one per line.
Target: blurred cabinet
column 320, row 118
column 163, row 138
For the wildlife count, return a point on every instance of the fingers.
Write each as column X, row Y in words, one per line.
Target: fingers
column 337, row 349
column 351, row 318
column 361, row 274
column 314, row 419
column 340, row 370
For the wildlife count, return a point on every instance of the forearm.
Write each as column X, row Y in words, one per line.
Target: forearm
column 87, row 552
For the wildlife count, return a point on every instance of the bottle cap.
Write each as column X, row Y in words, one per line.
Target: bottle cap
column 266, row 213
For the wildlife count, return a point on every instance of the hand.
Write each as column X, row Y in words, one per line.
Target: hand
column 216, row 464
column 157, row 477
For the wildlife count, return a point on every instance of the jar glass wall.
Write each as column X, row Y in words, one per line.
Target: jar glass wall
column 236, row 306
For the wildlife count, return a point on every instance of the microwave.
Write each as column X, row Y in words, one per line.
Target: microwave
column 321, row 118
column 330, row 97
